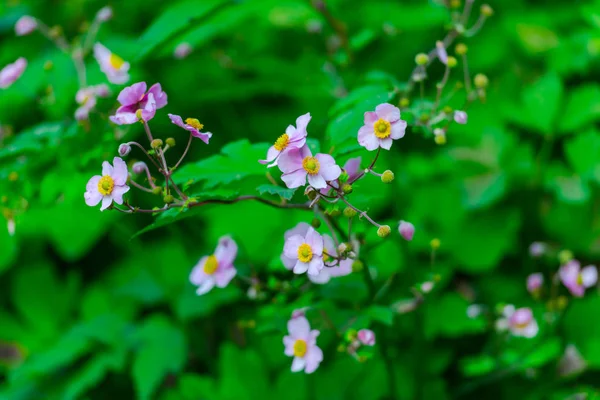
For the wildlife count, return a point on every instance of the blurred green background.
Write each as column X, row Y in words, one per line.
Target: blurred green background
column 91, row 311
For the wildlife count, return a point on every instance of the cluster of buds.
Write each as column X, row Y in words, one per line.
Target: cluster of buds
column 358, row 344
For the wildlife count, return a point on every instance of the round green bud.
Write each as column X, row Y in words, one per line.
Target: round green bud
column 447, row 110
column 156, row 143
column 357, row 266
column 344, row 177
column 347, row 189
column 424, row 117
column 315, row 223
column 334, row 212
column 48, row 65
column 311, row 194
column 440, row 139
column 341, row 348
column 481, row 81
column 562, row 302
column 404, row 102
column 486, row 10
column 387, row 176
column 421, row 59
column 435, row 243
column 383, row 231
column 454, row 3
column 170, row 142
column 349, row 212
column 451, row 62
column 461, row 49
column 351, row 335
column 157, row 190
column 168, row 199
column 565, row 256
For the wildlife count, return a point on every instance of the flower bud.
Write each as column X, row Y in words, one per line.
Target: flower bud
column 344, row 177
column 537, row 249
column 139, row 167
column 535, row 282
column 424, row 117
column 435, row 243
column 342, row 248
column 156, row 143
column 383, row 231
column 455, row 3
column 565, row 256
column 439, row 136
column 461, row 49
column 182, row 51
column 351, row 335
column 347, row 188
column 157, row 190
column 387, row 176
column 48, row 65
column 407, row 230
column 366, row 337
column 124, row 149
column 310, row 193
column 168, row 199
column 13, row 176
column 333, row 212
column 25, row 25
column 357, row 266
column 315, row 223
column 481, row 81
column 562, row 302
column 349, row 212
column 404, row 102
column 460, row 117
column 486, row 10
column 426, row 287
column 104, row 14
column 421, row 59
column 170, row 142
column 451, row 62
column 55, row 32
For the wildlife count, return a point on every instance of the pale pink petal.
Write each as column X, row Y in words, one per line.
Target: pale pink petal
column 313, row 358
column 589, row 276
column 197, row 275
column 294, row 179
column 290, row 247
column 301, row 124
column 345, row 268
column 204, row 136
column 118, row 192
column 160, row 97
column 321, row 278
column 106, row 202
column 149, row 109
column 299, row 229
column 205, row 286
column 92, row 196
column 521, row 316
column 10, row 73
column 226, row 251
column 107, row 169
column 300, row 267
column 328, row 168
column 222, row 277
column 132, row 94
column 352, row 167
column 370, row 118
column 398, row 129
column 534, row 282
column 407, row 230
column 288, row 342
column 441, row 52
column 298, row 328
column 272, row 154
column 386, row 143
column 366, row 337
column 315, row 241
column 298, row 364
column 290, row 161
column 288, row 262
column 124, row 118
column 317, row 181
column 388, row 112
column 329, row 246
column 367, row 138
column 119, row 172
column 569, row 275
column 531, row 330
column 315, row 266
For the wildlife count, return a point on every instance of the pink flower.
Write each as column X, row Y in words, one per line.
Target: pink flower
column 299, row 164
column 109, row 187
column 25, row 25
column 12, row 72
column 519, row 322
column 331, row 270
column 301, row 343
column 192, row 125
column 293, row 138
column 535, row 282
column 577, row 279
column 113, row 66
column 366, row 337
column 352, row 168
column 537, row 249
column 407, row 230
column 299, row 312
column 441, row 52
column 460, row 117
column 134, row 98
column 86, row 98
column 381, row 127
column 104, row 14
column 216, row 269
column 182, row 51
column 304, row 251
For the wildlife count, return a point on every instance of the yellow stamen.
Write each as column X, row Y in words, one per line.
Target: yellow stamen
column 382, row 128
column 106, row 185
column 305, row 253
column 300, row 348
column 115, row 61
column 311, row 165
column 282, row 142
column 579, row 280
column 211, row 265
column 194, row 123
column 326, row 257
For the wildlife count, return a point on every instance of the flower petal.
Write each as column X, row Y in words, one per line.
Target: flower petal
column 299, row 229
column 106, row 202
column 367, row 138
column 159, row 96
column 294, row 179
column 388, row 112
column 315, row 241
column 290, row 248
column 589, row 276
column 370, row 118
column 298, row 364
column 118, row 192
column 205, row 286
column 298, row 328
column 119, row 173
column 315, row 266
column 398, row 129
column 223, row 276
column 317, row 181
column 197, row 275
column 386, row 143
column 300, row 267
column 313, row 358
column 290, row 161
column 321, row 278
column 288, row 342
column 272, row 154
column 132, row 94
column 226, row 251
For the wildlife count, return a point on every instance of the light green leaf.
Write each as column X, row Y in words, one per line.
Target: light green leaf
column 541, row 102
column 477, row 365
column 536, row 39
column 448, row 317
column 381, row 314
column 277, row 190
column 583, row 107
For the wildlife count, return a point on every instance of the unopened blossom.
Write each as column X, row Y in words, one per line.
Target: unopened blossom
column 305, row 251
column 537, row 249
column 25, row 25
column 535, row 282
column 441, row 52
column 182, row 50
column 474, row 311
column 124, row 149
column 427, row 286
column 298, row 165
column 191, row 125
column 381, row 127
column 10, row 73
column 114, row 67
column 104, row 14
column 138, row 104
column 520, row 322
column 108, row 187
column 460, row 117
column 333, row 268
column 366, row 337
column 86, row 98
column 139, row 167
column 293, row 138
column 301, row 343
column 577, row 279
column 216, row 269
column 407, row 230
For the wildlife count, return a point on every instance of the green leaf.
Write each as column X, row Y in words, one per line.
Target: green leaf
column 482, row 190
column 448, row 317
column 162, row 350
column 277, row 190
column 541, row 102
column 583, row 154
column 34, row 139
column 536, row 39
column 190, row 305
column 477, row 365
column 238, row 160
column 237, row 383
column 92, row 373
column 545, row 352
column 583, row 107
column 193, row 387
column 381, row 314
column 8, row 246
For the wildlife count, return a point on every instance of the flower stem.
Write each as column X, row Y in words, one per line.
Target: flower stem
column 187, row 147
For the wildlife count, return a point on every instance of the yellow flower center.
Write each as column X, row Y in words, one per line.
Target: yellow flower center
column 311, row 165
column 305, row 253
column 579, row 280
column 115, row 61
column 382, row 128
column 282, row 142
column 326, row 257
column 194, row 123
column 299, row 348
column 106, row 185
column 211, row 265
column 522, row 325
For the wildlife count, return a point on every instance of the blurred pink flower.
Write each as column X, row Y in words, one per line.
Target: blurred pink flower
column 134, row 98
column 115, row 68
column 12, row 72
column 441, row 52
column 25, row 25
column 519, row 322
column 305, row 251
column 299, row 164
column 191, row 125
column 104, row 14
column 460, row 117
column 577, row 279
column 381, row 127
column 293, row 138
column 109, row 187
column 86, row 98
column 182, row 50
column 366, row 337
column 216, row 269
column 537, row 249
column 535, row 282
column 407, row 230
column 301, row 343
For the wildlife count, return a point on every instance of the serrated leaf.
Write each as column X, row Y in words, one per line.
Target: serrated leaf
column 277, row 190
